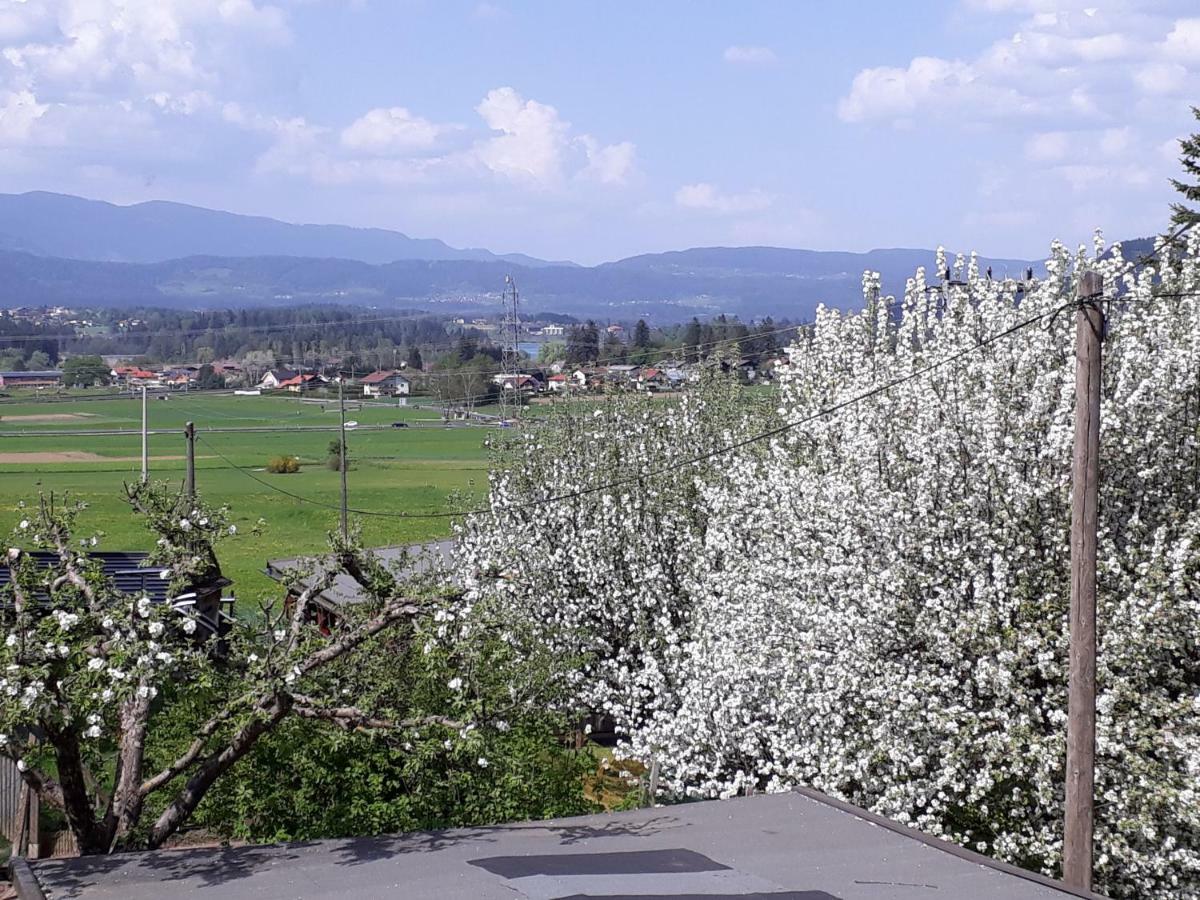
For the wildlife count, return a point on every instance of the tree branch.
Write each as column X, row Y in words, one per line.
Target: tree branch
column 214, row 766
column 351, row 717
column 189, row 756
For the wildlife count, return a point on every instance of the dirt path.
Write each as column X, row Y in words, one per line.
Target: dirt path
column 47, row 417
column 64, row 456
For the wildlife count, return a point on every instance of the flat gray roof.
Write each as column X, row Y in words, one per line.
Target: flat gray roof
column 413, row 559
column 793, row 846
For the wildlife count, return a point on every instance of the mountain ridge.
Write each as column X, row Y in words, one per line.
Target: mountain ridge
column 71, row 227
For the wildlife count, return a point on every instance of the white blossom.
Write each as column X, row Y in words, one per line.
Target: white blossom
column 874, row 602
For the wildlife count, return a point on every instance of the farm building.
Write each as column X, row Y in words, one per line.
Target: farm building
column 30, row 379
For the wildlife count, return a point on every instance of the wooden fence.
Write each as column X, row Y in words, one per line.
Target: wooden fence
column 20, row 819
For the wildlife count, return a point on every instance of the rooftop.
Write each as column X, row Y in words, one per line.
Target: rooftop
column 412, row 559
column 379, row 377
column 795, row 846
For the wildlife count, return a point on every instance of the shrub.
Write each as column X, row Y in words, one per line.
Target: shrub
column 283, row 465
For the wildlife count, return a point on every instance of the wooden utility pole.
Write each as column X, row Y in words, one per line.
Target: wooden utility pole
column 145, row 441
column 342, row 461
column 189, row 484
column 1085, row 483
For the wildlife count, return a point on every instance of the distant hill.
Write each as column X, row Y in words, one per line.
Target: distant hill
column 749, row 282
column 56, row 248
column 75, row 228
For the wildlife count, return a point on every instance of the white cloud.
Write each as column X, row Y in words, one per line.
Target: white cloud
column 525, row 142
column 1066, row 59
column 1183, row 42
column 1047, row 146
column 391, row 131
column 155, row 44
column 608, row 165
column 19, row 113
column 704, row 196
column 536, row 146
column 930, row 86
column 750, row 55
column 1116, row 141
column 1161, row 78
column 532, row 137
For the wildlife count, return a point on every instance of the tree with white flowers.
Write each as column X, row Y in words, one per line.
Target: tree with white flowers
column 874, row 601
column 93, row 675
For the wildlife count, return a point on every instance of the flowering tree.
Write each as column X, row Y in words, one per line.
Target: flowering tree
column 604, row 580
column 91, row 673
column 874, row 602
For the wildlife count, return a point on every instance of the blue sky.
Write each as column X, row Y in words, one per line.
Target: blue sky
column 592, row 131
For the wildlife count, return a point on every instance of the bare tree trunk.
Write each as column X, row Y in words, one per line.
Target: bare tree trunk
column 125, row 806
column 186, row 801
column 77, row 805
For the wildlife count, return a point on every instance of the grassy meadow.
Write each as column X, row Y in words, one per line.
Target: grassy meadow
column 404, row 470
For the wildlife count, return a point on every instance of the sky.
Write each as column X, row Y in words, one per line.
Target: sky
column 596, row 130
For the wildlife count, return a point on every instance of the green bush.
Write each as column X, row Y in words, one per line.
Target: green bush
column 310, row 780
column 283, row 465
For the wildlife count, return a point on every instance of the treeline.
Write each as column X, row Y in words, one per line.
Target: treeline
column 693, row 341
column 298, row 335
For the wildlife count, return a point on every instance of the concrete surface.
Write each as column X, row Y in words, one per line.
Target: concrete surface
column 796, row 846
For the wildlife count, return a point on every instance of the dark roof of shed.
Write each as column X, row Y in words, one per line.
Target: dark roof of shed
column 126, row 569
column 795, row 846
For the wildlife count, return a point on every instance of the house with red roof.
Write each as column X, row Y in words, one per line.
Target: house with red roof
column 386, row 383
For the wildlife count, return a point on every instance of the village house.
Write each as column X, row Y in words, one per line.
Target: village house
column 302, row 382
column 177, row 378
column 526, row 384
column 386, row 383
column 622, row 373
column 134, row 376
column 273, row 378
column 559, row 383
column 652, row 379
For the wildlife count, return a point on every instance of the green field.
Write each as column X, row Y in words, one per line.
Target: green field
column 396, row 470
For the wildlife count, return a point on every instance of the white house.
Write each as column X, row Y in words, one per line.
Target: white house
column 388, row 383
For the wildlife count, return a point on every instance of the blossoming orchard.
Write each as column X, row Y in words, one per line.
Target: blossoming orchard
column 95, row 678
column 873, row 600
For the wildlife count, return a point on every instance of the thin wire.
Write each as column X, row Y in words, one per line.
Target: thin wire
column 309, row 500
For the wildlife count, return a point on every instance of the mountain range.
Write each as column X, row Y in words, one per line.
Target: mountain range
column 68, row 250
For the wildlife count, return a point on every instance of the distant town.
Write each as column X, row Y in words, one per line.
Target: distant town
column 460, row 363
